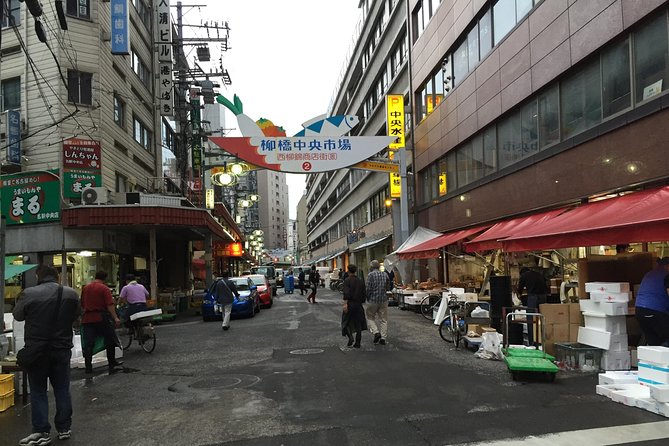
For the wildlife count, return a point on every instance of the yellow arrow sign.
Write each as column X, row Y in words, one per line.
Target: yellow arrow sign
column 377, row 165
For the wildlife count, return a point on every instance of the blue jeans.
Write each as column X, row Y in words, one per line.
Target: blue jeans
column 57, row 370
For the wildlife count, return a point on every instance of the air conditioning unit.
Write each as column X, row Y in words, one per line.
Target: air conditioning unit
column 94, row 195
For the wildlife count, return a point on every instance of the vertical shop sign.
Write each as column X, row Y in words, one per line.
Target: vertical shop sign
column 395, row 185
column 164, row 49
column 30, row 198
column 443, row 185
column 120, row 27
column 13, row 132
column 395, row 119
column 82, row 166
column 196, row 139
column 209, row 199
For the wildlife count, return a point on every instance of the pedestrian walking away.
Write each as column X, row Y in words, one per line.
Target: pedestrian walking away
column 377, row 302
column 300, row 281
column 135, row 294
column 49, row 311
column 353, row 314
column 99, row 320
column 315, row 280
column 226, row 291
column 652, row 304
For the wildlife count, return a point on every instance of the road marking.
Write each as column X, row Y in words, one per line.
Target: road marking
column 602, row 436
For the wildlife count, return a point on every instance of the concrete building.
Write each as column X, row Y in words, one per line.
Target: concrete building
column 273, row 208
column 302, row 242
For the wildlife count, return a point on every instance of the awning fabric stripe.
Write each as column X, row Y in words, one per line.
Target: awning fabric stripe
column 491, row 239
column 370, row 243
column 430, row 248
column 631, row 218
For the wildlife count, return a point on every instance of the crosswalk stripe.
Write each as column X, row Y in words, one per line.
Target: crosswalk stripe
column 602, row 436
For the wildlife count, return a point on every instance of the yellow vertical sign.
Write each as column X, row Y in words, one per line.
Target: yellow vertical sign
column 395, row 119
column 209, row 199
column 443, row 186
column 395, row 185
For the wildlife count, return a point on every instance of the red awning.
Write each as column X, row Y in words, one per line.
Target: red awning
column 430, row 249
column 491, row 238
column 632, row 218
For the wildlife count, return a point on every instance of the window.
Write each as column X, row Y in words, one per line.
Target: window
column 485, row 34
column 142, row 134
column 504, row 18
column 121, row 183
column 79, row 87
column 581, row 101
column 650, row 59
column 470, row 161
column 522, row 8
column 143, row 11
column 489, row 150
column 418, row 21
column 79, row 8
column 12, row 14
column 119, row 111
column 509, row 144
column 141, row 70
column 616, row 87
column 461, row 63
column 528, row 129
column 473, row 47
column 11, row 94
column 549, row 117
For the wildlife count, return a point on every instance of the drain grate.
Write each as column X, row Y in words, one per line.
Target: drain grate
column 307, row 351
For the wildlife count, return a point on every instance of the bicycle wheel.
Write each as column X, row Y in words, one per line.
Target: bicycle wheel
column 426, row 308
column 457, row 332
column 445, row 330
column 149, row 338
column 340, row 287
column 125, row 336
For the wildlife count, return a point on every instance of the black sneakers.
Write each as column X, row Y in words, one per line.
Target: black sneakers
column 377, row 337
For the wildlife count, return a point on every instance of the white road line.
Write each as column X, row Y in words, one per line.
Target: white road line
column 631, row 433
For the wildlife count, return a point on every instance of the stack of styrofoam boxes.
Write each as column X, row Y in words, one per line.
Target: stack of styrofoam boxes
column 605, row 322
column 99, row 359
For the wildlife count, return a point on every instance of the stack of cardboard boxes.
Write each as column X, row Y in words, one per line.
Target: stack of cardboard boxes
column 562, row 324
column 605, row 322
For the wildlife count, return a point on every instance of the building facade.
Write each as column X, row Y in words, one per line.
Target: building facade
column 273, row 208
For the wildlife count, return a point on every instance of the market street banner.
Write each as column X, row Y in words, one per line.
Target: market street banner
column 30, row 198
column 320, row 147
column 82, row 166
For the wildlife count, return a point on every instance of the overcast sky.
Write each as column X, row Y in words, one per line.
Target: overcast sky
column 284, row 59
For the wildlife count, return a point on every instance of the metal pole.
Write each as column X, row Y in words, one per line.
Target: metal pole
column 402, row 153
column 153, row 262
column 404, row 197
column 2, row 271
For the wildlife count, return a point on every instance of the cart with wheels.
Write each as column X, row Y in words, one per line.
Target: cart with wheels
column 474, row 342
column 521, row 360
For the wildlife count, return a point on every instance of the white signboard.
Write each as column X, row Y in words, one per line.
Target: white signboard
column 164, row 31
column 165, row 89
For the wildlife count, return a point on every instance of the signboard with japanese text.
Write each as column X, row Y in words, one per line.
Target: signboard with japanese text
column 377, row 166
column 209, row 199
column 13, row 132
column 165, row 89
column 443, row 185
column 30, row 198
column 395, row 119
column 227, row 249
column 120, row 27
column 395, row 185
column 164, row 50
column 82, row 166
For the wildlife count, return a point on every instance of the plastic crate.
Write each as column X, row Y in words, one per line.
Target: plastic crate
column 6, row 383
column 578, row 357
column 6, row 400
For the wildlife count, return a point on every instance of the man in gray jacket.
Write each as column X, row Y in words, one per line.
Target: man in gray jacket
column 226, row 291
column 37, row 307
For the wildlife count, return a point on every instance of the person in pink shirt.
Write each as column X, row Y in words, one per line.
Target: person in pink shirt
column 135, row 295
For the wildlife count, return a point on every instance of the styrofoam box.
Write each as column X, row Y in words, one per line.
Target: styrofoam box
column 616, row 360
column 629, row 396
column 602, row 339
column 655, row 373
column 621, row 377
column 610, row 297
column 607, row 287
column 659, row 392
column 653, row 354
column 607, row 308
column 648, row 404
column 612, row 324
column 607, row 389
column 148, row 313
column 414, row 299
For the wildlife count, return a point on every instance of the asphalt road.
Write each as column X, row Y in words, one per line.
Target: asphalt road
column 286, row 377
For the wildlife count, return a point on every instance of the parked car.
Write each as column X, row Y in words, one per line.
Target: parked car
column 280, row 273
column 264, row 290
column 270, row 272
column 247, row 304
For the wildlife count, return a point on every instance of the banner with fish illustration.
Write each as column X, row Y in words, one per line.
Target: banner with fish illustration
column 320, row 146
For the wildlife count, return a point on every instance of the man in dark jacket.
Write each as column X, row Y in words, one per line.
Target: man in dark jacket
column 300, row 281
column 537, row 293
column 37, row 307
column 315, row 280
column 354, row 314
column 226, row 291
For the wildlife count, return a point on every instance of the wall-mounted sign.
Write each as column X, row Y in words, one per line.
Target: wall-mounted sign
column 443, row 185
column 228, row 249
column 395, row 185
column 30, row 198
column 82, row 166
column 120, row 27
column 164, row 50
column 209, row 198
column 13, row 132
column 395, row 119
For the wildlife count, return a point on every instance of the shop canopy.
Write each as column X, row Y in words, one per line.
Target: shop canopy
column 418, row 236
column 336, row 254
column 430, row 248
column 492, row 238
column 14, row 270
column 631, row 218
column 370, row 243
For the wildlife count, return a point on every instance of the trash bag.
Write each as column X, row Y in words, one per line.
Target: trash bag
column 491, row 346
column 480, row 312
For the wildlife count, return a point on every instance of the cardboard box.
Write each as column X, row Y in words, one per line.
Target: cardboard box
column 555, row 289
column 575, row 316
column 476, row 328
column 607, row 287
column 557, row 332
column 610, row 297
column 549, row 347
column 573, row 332
column 488, row 330
column 555, row 313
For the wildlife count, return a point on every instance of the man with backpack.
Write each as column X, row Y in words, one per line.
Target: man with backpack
column 315, row 280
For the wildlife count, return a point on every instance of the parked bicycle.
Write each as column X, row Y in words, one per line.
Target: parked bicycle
column 337, row 285
column 428, row 308
column 141, row 330
column 452, row 328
